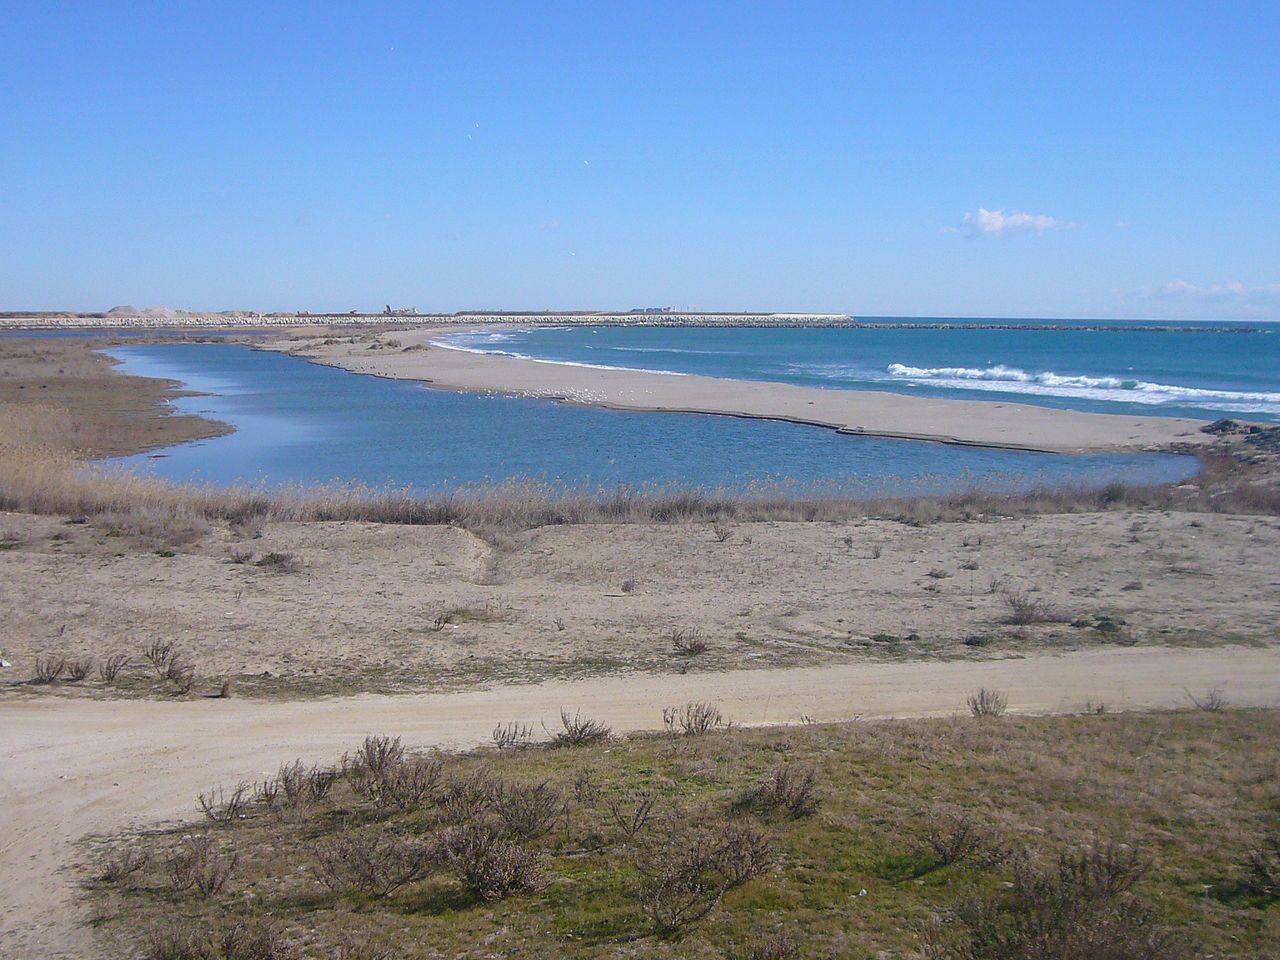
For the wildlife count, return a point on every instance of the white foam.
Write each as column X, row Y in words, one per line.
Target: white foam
column 1005, row 379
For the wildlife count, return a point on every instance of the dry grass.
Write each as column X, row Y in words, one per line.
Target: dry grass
column 37, row 476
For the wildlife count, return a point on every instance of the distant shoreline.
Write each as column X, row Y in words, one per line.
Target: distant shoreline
column 37, row 321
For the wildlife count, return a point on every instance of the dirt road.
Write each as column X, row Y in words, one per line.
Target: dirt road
column 71, row 768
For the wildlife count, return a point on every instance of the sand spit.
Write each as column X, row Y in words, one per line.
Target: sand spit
column 72, row 767
column 414, row 355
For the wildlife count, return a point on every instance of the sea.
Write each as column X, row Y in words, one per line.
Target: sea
column 1202, row 370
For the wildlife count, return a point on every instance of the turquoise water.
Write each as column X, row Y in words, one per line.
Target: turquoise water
column 298, row 422
column 1198, row 371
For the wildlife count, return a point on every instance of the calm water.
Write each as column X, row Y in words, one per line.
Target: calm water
column 1205, row 373
column 299, row 422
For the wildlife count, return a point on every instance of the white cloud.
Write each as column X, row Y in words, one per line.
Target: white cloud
column 1230, row 291
column 1001, row 223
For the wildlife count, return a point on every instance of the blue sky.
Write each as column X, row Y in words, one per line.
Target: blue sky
column 1098, row 160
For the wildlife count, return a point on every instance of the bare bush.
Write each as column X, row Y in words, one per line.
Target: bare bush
column 278, row 562
column 786, row 788
column 240, row 557
column 1082, row 909
column 579, row 731
column 688, row 642
column 985, row 702
column 528, row 810
column 49, row 669
column 182, row 675
column 682, row 880
column 198, row 865
column 956, row 835
column 406, row 785
column 1263, row 866
column 694, row 719
column 1211, row 701
column 489, row 866
column 632, row 816
column 511, row 736
column 744, row 852
column 111, row 667
column 222, row 807
column 378, row 754
column 261, row 940
column 120, row 867
column 1025, row 609
column 174, row 941
column 776, row 946
column 585, row 789
column 78, row 669
column 372, row 862
column 721, row 531
column 162, row 654
column 465, row 799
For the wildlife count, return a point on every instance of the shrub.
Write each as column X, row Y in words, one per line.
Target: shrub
column 579, row 731
column 777, row 946
column 162, row 655
column 373, row 863
column 465, row 799
column 985, row 702
column 785, row 788
column 182, row 675
column 111, row 667
column 258, row 941
column 632, row 817
column 77, row 670
column 683, row 879
column 744, row 852
column 528, row 810
column 300, row 784
column 243, row 941
column 378, row 754
column 278, row 562
column 688, row 642
column 221, row 807
column 510, row 736
column 489, row 866
column 1025, row 609
column 1083, row 909
column 197, row 864
column 49, row 669
column 692, row 720
column 121, row 866
column 179, row 942
column 1263, row 864
column 721, row 531
column 956, row 835
column 406, row 785
column 1212, row 701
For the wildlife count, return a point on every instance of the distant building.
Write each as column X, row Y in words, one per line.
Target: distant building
column 648, row 310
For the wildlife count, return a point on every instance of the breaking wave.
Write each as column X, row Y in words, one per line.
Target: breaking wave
column 1004, row 379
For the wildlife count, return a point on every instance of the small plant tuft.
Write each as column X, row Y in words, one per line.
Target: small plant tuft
column 985, row 702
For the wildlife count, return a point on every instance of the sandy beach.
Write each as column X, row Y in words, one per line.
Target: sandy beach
column 413, row 355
